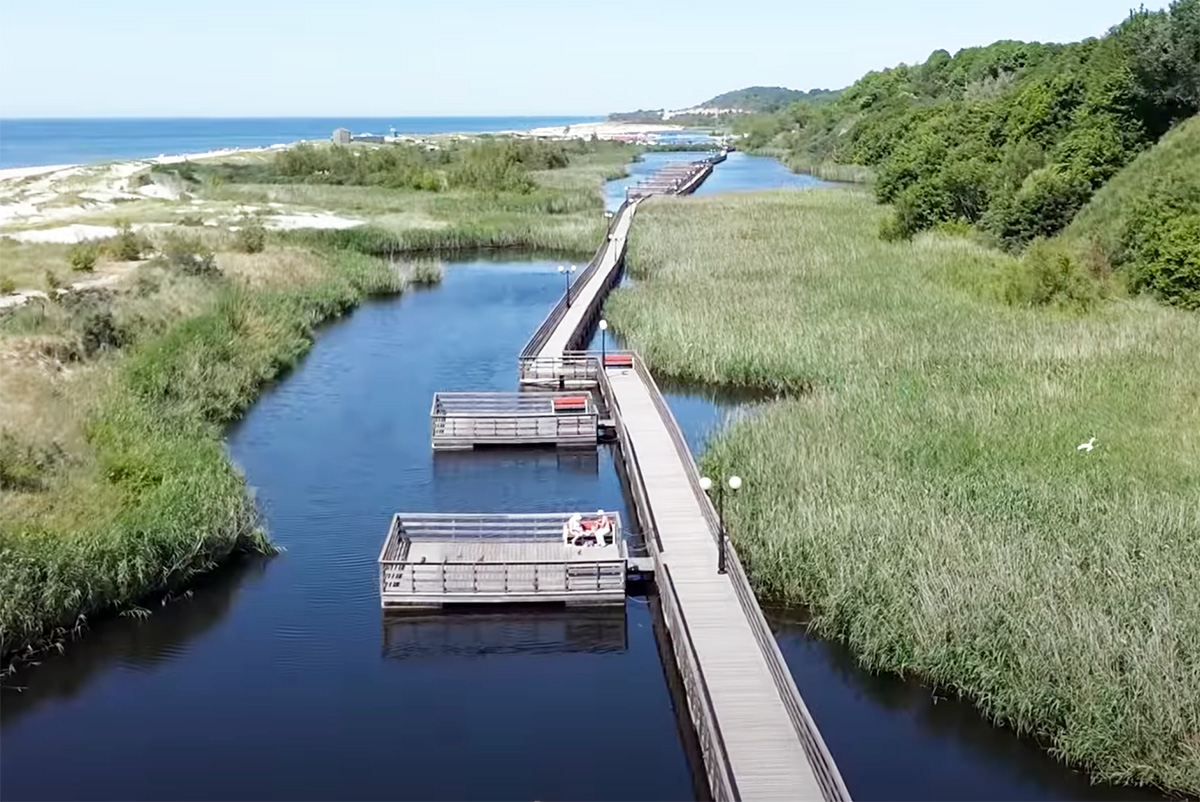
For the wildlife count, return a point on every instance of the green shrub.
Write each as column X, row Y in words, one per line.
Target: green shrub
column 7, row 284
column 100, row 331
column 127, row 246
column 1051, row 273
column 1045, row 203
column 251, row 236
column 1163, row 256
column 82, row 258
column 189, row 256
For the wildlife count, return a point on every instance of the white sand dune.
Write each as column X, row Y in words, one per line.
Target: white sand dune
column 65, row 234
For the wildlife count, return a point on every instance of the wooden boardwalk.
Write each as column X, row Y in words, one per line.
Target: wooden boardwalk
column 586, row 296
column 766, row 752
column 758, row 740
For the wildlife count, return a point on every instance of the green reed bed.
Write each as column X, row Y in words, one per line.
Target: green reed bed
column 921, row 491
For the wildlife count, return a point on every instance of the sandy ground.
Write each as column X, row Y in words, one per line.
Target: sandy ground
column 309, row 220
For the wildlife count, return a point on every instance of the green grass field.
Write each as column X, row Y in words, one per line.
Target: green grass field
column 921, row 491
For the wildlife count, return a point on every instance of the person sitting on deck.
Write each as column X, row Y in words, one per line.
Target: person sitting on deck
column 572, row 530
column 603, row 528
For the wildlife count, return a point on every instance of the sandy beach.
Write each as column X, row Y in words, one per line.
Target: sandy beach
column 605, row 130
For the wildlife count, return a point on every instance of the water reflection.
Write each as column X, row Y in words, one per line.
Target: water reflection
column 538, row 463
column 537, row 629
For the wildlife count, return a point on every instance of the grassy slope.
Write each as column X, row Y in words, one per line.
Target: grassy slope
column 925, row 497
column 1174, row 160
column 113, row 479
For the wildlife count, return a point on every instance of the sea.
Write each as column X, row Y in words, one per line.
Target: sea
column 37, row 143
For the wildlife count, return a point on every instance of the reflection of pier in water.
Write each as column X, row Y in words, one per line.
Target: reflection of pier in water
column 487, row 461
column 515, row 630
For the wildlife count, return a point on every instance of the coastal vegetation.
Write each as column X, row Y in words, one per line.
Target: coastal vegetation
column 1013, row 139
column 114, row 484
column 917, row 485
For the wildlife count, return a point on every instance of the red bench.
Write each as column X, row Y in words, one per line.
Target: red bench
column 618, row 361
column 571, row 403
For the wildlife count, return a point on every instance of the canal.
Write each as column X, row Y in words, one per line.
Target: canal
column 279, row 679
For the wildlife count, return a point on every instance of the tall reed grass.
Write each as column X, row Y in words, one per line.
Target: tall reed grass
column 921, row 491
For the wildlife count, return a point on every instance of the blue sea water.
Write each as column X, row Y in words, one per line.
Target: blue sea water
column 34, row 143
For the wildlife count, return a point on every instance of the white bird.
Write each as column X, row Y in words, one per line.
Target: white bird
column 1088, row 446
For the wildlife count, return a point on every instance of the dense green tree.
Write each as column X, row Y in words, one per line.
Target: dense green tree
column 1014, row 137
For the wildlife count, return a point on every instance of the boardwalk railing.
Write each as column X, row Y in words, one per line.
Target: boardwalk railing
column 722, row 782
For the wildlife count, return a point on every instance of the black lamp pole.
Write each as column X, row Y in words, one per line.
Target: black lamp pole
column 721, row 527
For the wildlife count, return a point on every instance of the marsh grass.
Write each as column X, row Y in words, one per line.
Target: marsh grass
column 831, row 171
column 921, row 491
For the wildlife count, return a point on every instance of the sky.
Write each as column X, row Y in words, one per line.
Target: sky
column 401, row 58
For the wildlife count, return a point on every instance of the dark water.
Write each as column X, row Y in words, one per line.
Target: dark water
column 279, row 678
column 31, row 143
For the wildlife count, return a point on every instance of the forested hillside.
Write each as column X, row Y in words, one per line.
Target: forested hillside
column 766, row 98
column 1013, row 138
column 1146, row 220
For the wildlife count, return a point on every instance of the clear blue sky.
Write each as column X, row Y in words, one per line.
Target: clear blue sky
column 76, row 58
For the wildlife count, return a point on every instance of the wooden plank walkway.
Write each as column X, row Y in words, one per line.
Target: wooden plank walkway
column 584, row 297
column 758, row 739
column 767, row 758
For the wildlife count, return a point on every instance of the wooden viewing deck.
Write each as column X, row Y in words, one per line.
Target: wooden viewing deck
column 757, row 737
column 434, row 559
column 466, row 420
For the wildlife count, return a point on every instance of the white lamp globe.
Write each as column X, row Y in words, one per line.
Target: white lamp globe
column 705, row 483
column 735, row 482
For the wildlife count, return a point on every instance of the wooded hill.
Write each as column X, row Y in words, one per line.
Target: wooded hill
column 766, row 98
column 1015, row 138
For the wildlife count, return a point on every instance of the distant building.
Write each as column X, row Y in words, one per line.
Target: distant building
column 341, row 136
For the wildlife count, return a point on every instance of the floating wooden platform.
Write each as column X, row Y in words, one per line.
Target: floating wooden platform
column 466, row 420
column 434, row 559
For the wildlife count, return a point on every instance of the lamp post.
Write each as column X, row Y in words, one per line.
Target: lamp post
column 567, row 271
column 603, row 341
column 706, row 484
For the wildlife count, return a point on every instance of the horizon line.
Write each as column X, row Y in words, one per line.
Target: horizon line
column 299, row 117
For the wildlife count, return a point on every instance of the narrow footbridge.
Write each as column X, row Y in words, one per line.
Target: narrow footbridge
column 758, row 740
column 756, row 735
